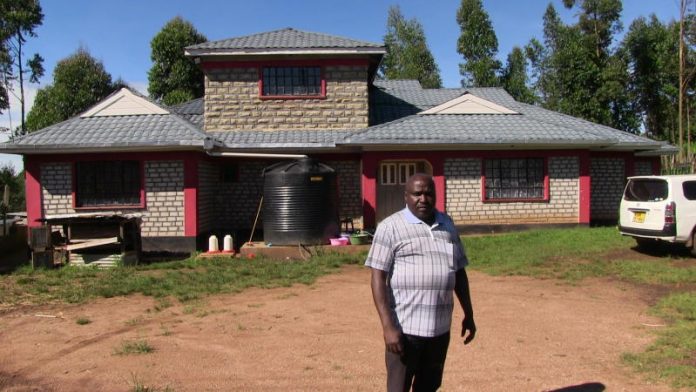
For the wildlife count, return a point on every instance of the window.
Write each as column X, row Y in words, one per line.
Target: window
column 388, row 176
column 406, row 170
column 689, row 188
column 646, row 190
column 292, row 81
column 107, row 183
column 513, row 179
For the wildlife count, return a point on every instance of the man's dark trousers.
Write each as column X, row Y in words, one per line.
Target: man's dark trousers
column 422, row 364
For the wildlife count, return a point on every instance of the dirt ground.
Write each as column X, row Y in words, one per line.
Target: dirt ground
column 534, row 335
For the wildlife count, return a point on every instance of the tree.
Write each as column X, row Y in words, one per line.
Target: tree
column 18, row 20
column 79, row 81
column 408, row 55
column 15, row 182
column 175, row 78
column 651, row 47
column 579, row 73
column 514, row 77
column 478, row 45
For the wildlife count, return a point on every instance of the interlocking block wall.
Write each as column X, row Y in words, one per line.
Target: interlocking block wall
column 232, row 102
column 164, row 195
column 464, row 201
column 56, row 188
column 608, row 181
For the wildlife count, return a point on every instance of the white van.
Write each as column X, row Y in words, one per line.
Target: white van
column 660, row 208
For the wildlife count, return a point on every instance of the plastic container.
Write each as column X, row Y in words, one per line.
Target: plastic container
column 338, row 241
column 359, row 239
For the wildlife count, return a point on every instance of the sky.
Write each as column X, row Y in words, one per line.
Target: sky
column 118, row 33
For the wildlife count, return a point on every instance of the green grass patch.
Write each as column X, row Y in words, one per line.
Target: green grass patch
column 560, row 253
column 185, row 280
column 83, row 321
column 129, row 347
column 672, row 357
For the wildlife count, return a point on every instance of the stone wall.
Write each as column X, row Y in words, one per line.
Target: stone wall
column 232, row 102
column 608, row 180
column 464, row 204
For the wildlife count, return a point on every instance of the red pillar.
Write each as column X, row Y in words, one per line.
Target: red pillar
column 32, row 185
column 585, row 184
column 190, row 195
column 369, row 189
column 438, row 166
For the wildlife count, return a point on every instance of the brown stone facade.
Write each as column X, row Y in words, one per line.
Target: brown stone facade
column 233, row 102
column 464, row 204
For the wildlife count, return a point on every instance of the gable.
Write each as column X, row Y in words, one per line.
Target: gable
column 469, row 104
column 124, row 103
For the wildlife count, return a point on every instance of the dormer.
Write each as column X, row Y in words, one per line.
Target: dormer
column 286, row 80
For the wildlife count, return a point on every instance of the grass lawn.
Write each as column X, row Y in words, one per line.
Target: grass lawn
column 567, row 254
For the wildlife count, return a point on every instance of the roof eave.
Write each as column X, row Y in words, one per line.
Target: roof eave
column 93, row 148
column 474, row 145
column 279, row 51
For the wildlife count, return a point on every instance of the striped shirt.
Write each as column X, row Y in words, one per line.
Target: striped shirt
column 421, row 262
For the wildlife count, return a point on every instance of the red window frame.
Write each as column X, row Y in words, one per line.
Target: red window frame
column 322, row 81
column 545, row 182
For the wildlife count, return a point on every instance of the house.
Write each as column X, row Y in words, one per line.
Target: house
column 195, row 168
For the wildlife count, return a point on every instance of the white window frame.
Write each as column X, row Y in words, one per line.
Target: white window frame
column 389, row 172
column 406, row 170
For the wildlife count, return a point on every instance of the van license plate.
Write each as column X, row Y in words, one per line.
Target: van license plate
column 639, row 217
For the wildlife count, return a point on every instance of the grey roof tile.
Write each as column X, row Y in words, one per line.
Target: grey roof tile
column 112, row 132
column 287, row 138
column 287, row 38
column 473, row 129
column 192, row 111
column 194, row 106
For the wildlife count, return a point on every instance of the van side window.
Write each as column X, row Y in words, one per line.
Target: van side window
column 689, row 188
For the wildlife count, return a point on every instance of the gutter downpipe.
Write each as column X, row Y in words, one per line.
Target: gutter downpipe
column 256, row 155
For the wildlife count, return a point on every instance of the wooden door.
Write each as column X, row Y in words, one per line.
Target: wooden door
column 391, row 179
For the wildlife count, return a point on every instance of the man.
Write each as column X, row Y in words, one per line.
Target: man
column 417, row 260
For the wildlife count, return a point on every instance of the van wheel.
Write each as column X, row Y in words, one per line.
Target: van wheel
column 646, row 244
column 693, row 244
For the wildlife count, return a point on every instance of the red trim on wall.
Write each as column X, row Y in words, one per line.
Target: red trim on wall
column 438, row 165
column 191, row 196
column 369, row 188
column 656, row 166
column 630, row 166
column 134, row 156
column 585, row 187
column 279, row 63
column 32, row 189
